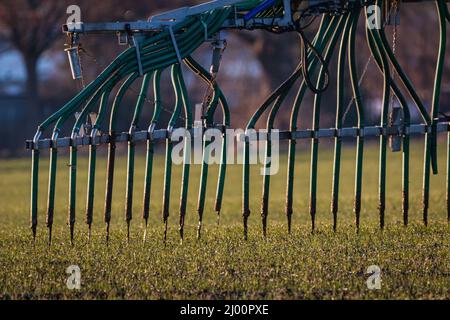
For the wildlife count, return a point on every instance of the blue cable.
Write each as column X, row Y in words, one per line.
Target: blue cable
column 263, row 6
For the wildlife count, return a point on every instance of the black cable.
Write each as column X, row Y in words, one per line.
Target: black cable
column 305, row 44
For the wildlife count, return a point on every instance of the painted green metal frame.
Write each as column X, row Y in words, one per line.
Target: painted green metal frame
column 169, row 48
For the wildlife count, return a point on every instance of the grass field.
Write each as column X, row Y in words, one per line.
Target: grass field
column 414, row 261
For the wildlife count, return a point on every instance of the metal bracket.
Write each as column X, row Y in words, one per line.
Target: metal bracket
column 131, row 134
column 156, row 135
column 160, row 22
column 137, row 45
column 175, row 45
column 74, row 57
column 396, row 119
column 219, row 46
column 151, row 131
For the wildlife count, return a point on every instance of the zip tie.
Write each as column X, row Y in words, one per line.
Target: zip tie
column 175, row 46
column 136, row 46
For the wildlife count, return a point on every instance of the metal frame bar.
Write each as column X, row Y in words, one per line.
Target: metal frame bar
column 160, row 22
column 160, row 135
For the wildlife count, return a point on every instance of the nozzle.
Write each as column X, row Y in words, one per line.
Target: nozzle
column 74, row 61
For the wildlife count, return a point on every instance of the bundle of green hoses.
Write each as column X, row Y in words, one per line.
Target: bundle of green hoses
column 157, row 52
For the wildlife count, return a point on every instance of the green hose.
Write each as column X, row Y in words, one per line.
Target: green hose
column 315, row 128
column 246, row 168
column 152, row 60
column 34, row 192
column 361, row 117
column 131, row 151
column 384, row 123
column 268, row 150
column 64, row 113
column 431, row 144
column 150, row 149
column 157, row 52
column 73, row 162
column 327, row 26
column 208, row 123
column 187, row 151
column 51, row 191
column 407, row 121
column 93, row 161
column 218, row 97
column 112, row 150
column 167, row 47
column 339, row 115
column 176, row 69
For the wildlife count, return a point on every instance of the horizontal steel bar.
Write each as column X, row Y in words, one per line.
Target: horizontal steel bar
column 162, row 21
column 372, row 131
column 155, row 27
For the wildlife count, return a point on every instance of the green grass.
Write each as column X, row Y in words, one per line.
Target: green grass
column 414, row 260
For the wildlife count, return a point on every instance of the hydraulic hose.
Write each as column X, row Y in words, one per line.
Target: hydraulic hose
column 150, row 148
column 132, row 149
column 316, row 120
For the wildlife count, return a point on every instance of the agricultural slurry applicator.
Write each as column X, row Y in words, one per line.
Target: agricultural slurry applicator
column 166, row 41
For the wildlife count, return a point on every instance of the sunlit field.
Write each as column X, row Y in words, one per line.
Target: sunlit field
column 414, row 261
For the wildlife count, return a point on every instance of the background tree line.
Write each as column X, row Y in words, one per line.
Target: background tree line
column 254, row 63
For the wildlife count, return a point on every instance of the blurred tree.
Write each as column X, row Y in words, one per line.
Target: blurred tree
column 31, row 27
column 278, row 59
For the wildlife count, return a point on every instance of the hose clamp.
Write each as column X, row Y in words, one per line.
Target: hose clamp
column 36, row 139
column 93, row 136
column 151, row 130
column 169, row 132
column 73, row 138
column 175, row 45
column 131, row 133
column 54, row 140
